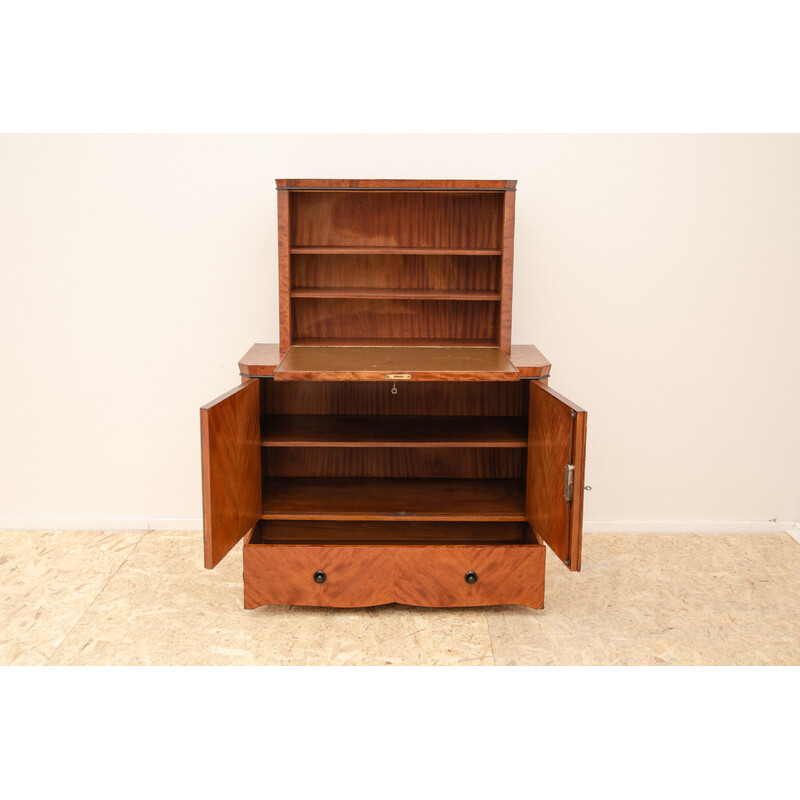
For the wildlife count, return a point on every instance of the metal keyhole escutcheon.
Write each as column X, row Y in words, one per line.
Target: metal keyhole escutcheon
column 394, row 388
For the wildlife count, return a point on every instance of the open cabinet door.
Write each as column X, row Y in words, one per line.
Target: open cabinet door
column 556, row 455
column 231, row 469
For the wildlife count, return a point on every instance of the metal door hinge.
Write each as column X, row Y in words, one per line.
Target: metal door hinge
column 569, row 482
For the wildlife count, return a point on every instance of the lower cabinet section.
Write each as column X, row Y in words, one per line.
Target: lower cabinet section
column 357, row 575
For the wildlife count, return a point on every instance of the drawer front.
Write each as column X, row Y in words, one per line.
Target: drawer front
column 354, row 576
column 440, row 575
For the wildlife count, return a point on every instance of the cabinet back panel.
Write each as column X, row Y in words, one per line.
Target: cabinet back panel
column 393, row 462
column 397, row 219
column 365, row 532
column 395, row 272
column 446, row 398
column 314, row 318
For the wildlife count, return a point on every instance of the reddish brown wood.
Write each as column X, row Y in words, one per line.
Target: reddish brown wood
column 463, row 222
column 394, row 499
column 441, row 398
column 357, row 576
column 260, row 360
column 308, row 430
column 556, row 439
column 284, row 271
column 393, row 462
column 409, row 185
column 328, row 318
column 284, row 575
column 507, row 270
column 386, row 272
column 360, row 293
column 434, row 576
column 529, row 361
column 381, row 250
column 330, row 341
column 231, row 452
column 372, row 532
column 376, row 363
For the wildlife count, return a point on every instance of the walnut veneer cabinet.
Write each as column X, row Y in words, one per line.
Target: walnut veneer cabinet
column 395, row 447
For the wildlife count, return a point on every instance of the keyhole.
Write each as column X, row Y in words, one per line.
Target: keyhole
column 394, row 388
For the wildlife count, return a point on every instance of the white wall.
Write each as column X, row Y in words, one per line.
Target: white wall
column 660, row 275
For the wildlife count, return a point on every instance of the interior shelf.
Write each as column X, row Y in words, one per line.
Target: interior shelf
column 309, row 430
column 421, row 251
column 330, row 341
column 396, row 499
column 403, row 294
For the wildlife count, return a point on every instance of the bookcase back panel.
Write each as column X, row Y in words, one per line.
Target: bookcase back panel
column 354, row 319
column 467, row 398
column 442, row 272
column 393, row 462
column 397, row 219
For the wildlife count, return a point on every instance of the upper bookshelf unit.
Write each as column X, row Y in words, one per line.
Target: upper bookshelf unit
column 366, row 263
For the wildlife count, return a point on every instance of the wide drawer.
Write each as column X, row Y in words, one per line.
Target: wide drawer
column 357, row 575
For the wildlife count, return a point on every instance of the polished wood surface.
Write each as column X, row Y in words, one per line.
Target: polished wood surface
column 529, row 361
column 260, row 360
column 374, row 363
column 456, row 221
column 284, row 575
column 393, row 462
column 507, row 270
column 326, row 318
column 231, row 454
column 307, row 430
column 439, row 398
column 384, row 250
column 357, row 576
column 438, row 273
column 284, row 272
column 556, row 439
column 434, row 576
column 394, row 499
column 398, row 294
column 382, row 532
column 383, row 184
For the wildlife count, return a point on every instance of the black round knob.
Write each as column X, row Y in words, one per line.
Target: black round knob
column 471, row 577
column 320, row 576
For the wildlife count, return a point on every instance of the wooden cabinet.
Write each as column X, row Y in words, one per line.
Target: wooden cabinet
column 394, row 447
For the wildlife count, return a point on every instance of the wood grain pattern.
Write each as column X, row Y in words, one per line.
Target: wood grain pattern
column 231, row 454
column 382, row 250
column 260, row 360
column 529, row 361
column 374, row 363
column 461, row 221
column 507, row 270
column 434, row 575
column 393, row 462
column 369, row 575
column 405, row 184
column 375, row 532
column 310, row 430
column 328, row 317
column 283, row 575
column 394, row 499
column 440, row 398
column 440, row 272
column 557, row 432
column 284, row 272
column 363, row 292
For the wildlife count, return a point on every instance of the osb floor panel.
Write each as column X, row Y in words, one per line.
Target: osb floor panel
column 72, row 598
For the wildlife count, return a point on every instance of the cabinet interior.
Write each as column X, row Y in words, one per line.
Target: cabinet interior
column 345, row 461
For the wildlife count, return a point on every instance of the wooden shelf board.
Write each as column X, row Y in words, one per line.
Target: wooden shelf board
column 328, row 341
column 420, row 251
column 401, row 294
column 313, row 430
column 399, row 500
